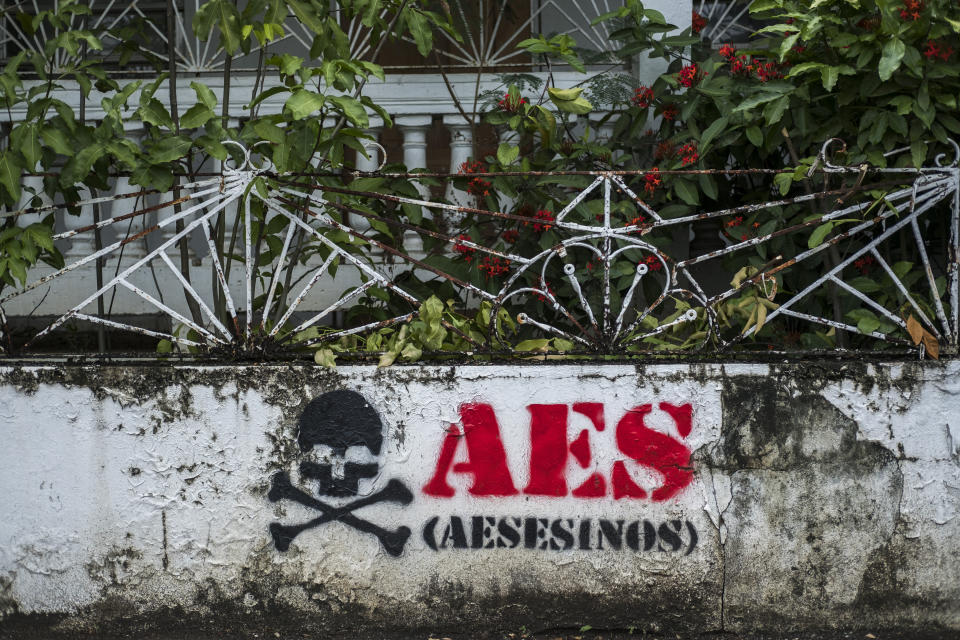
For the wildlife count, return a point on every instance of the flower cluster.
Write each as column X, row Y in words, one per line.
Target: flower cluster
column 727, row 52
column 544, row 286
column 766, row 71
column 464, row 250
column 669, row 112
column 510, row 235
column 697, row 22
column 934, row 51
column 665, row 150
column 735, row 222
column 738, row 222
column 864, row 264
column 642, row 97
column 477, row 186
column 688, row 154
column 653, row 263
column 494, row 266
column 911, row 9
column 651, row 181
column 511, row 103
column 544, row 215
column 687, row 76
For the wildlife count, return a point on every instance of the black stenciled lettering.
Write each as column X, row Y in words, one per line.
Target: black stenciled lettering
column 632, row 536
column 649, row 535
column 693, row 537
column 559, row 533
column 669, row 532
column 535, row 530
column 613, row 534
column 508, row 531
column 429, row 532
column 585, row 534
column 455, row 533
column 476, row 532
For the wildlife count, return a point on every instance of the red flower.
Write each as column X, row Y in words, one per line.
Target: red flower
column 933, row 51
column 546, row 216
column 511, row 103
column 911, row 9
column 510, row 235
column 665, row 149
column 473, row 167
column 651, row 181
column 466, row 251
column 688, row 154
column 477, row 186
column 642, row 97
column 494, row 266
column 670, row 112
column 767, row 71
column 544, row 286
column 697, row 22
column 739, row 65
column 653, row 263
column 727, row 51
column 864, row 264
column 687, row 76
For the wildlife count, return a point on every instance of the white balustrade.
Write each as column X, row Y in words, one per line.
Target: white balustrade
column 461, row 150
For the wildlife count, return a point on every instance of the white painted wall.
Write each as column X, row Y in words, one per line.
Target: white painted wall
column 149, row 485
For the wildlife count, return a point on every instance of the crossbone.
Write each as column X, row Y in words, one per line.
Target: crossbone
column 393, row 541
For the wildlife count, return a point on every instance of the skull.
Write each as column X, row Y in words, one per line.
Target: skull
column 343, row 435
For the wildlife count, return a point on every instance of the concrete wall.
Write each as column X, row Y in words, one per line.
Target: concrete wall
column 665, row 498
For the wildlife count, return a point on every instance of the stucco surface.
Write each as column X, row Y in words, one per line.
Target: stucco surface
column 813, row 495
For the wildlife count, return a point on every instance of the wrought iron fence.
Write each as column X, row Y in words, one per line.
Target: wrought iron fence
column 867, row 260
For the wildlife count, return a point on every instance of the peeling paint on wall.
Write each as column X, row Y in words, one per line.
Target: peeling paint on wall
column 690, row 497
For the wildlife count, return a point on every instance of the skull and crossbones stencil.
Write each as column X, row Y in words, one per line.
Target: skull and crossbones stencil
column 341, row 438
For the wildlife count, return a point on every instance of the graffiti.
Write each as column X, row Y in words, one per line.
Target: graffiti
column 331, row 425
column 560, row 534
column 341, row 439
column 550, row 451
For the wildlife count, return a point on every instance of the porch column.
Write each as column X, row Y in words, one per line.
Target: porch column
column 461, row 149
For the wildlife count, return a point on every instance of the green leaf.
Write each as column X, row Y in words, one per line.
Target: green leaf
column 353, row 109
column 819, row 235
column 717, row 127
column 228, row 18
column 269, row 131
column 893, row 52
column 25, row 139
column 686, row 191
column 326, row 358
column 152, row 110
column 564, row 94
column 10, row 175
column 783, row 181
column 302, row 103
column 307, row 15
column 204, row 94
column 79, row 165
column 196, row 116
column 507, row 153
column 170, row 149
column 708, row 185
column 56, row 140
column 540, row 344
column 755, row 136
column 420, row 30
column 152, row 177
